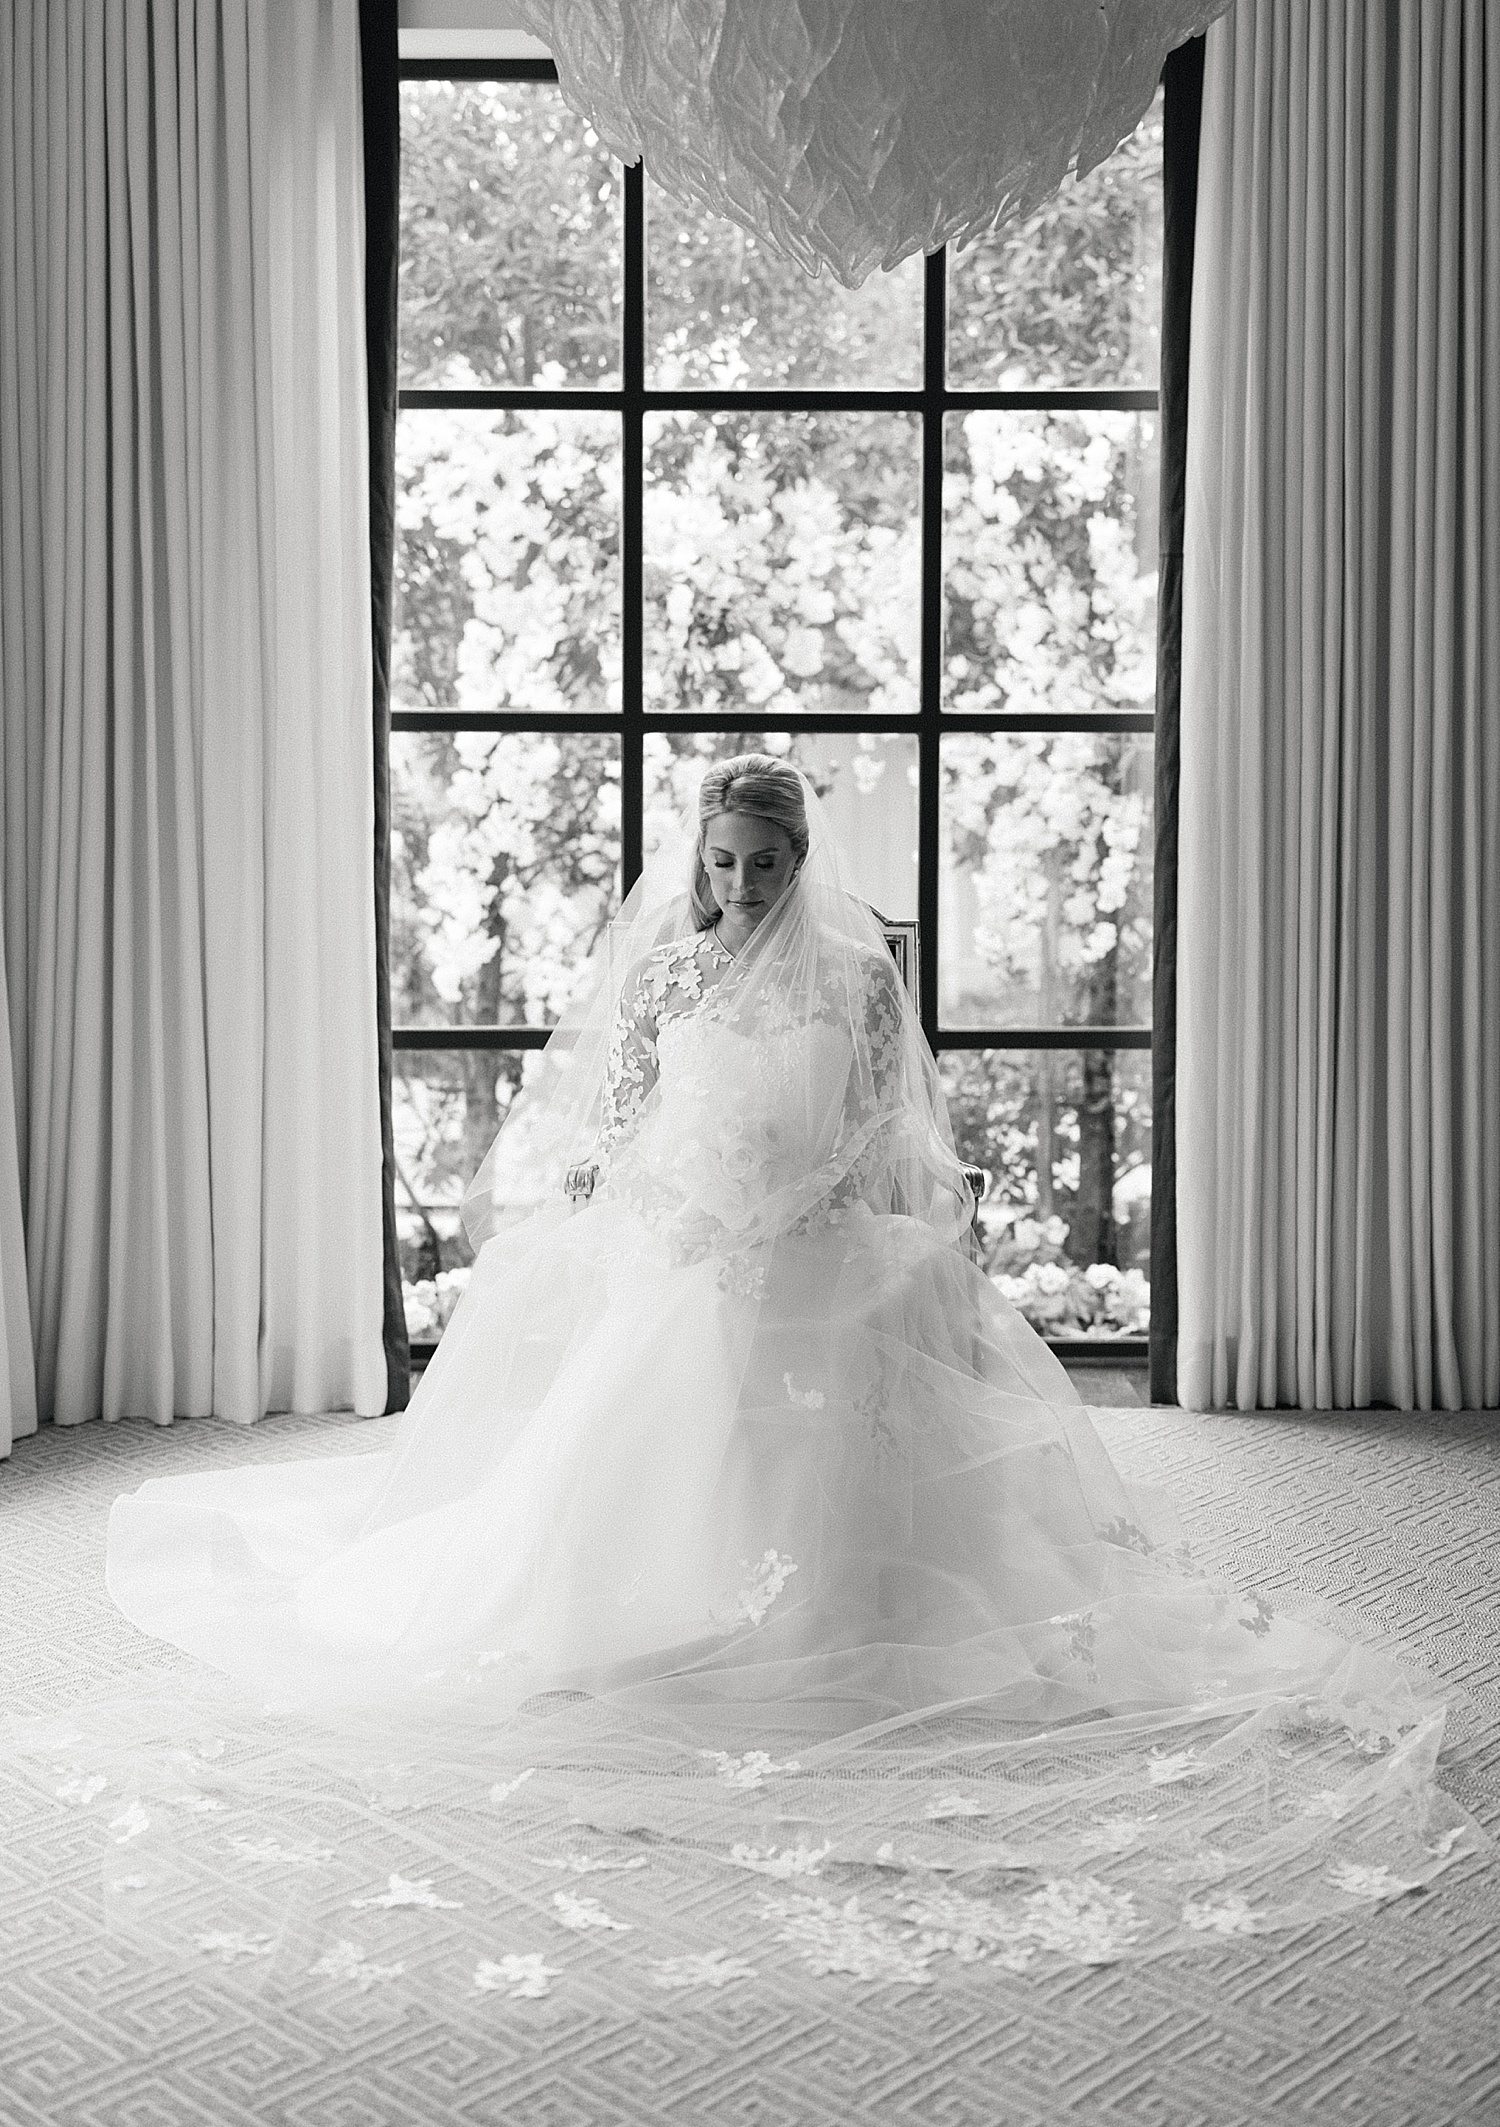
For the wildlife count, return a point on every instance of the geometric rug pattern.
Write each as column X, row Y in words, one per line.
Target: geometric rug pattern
column 1387, row 2018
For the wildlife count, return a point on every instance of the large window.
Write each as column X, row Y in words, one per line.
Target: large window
column 663, row 497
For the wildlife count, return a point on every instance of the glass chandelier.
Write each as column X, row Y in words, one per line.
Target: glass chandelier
column 848, row 134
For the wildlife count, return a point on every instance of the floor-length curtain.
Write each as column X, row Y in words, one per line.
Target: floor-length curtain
column 1338, row 1087
column 380, row 81
column 17, row 1363
column 185, row 631
column 1182, row 83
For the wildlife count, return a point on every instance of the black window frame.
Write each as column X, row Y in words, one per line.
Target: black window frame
column 933, row 401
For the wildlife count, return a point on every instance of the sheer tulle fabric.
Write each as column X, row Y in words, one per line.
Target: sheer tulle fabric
column 738, row 1515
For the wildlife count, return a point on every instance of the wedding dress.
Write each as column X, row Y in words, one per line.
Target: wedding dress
column 741, row 1524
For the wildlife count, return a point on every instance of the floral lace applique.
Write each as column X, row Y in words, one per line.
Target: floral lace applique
column 587, row 1864
column 1078, row 1919
column 504, row 1789
column 705, row 1968
column 1313, row 1717
column 1230, row 1915
column 582, row 1914
column 845, row 1939
column 1257, row 1615
column 1328, row 1802
column 1370, row 1879
column 943, row 1807
column 1082, row 1919
column 400, row 1891
column 293, row 1857
column 752, row 1770
column 804, row 1399
column 1128, row 1534
column 970, row 1929
column 1117, row 1835
column 873, row 1404
column 348, row 1962
column 526, row 1977
column 670, row 979
column 81, row 1788
column 1165, row 1767
column 389, row 1791
column 742, row 1276
column 229, row 1943
column 783, row 1861
column 130, row 1824
column 1082, row 1631
column 1371, row 1732
column 749, row 1606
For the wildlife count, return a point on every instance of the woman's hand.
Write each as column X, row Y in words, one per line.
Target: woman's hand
column 580, row 1179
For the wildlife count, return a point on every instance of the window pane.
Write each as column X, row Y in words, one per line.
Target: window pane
column 1065, row 1135
column 867, row 780
column 505, row 854
column 1072, row 296
column 722, row 310
column 1050, row 537
column 782, row 562
column 1046, row 880
column 507, row 561
column 445, row 1109
column 511, row 251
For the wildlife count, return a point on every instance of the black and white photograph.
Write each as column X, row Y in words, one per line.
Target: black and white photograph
column 749, row 1063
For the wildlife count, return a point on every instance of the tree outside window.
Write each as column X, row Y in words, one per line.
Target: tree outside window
column 663, row 496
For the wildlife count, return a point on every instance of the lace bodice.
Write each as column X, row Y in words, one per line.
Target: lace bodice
column 742, row 1110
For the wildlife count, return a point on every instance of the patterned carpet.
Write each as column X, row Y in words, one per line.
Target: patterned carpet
column 1385, row 2019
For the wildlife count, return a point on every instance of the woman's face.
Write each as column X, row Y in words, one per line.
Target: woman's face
column 750, row 865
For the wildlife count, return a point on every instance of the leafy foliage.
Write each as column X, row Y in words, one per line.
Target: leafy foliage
column 782, row 560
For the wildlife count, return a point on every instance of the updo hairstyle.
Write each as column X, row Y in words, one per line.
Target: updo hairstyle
column 758, row 783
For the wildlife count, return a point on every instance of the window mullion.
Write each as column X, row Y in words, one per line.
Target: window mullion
column 632, row 533
column 934, row 370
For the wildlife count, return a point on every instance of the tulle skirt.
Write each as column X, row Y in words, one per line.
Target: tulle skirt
column 790, row 1598
column 806, row 1563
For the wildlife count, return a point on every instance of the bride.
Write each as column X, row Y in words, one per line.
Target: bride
column 736, row 1500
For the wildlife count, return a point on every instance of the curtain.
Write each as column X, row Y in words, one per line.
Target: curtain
column 1338, row 1087
column 189, row 937
column 1182, row 82
column 17, row 1362
column 380, row 78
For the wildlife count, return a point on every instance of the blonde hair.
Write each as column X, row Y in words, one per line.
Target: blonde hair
column 758, row 783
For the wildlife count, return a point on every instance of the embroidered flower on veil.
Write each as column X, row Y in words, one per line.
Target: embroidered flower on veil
column 348, row 1962
column 523, row 1977
column 229, row 1943
column 705, row 1968
column 752, row 1770
column 400, row 1891
column 1229, row 1915
column 750, row 1604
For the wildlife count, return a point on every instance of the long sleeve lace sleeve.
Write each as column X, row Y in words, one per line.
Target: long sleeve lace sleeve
column 630, row 1068
column 883, row 1028
column 882, row 1016
column 871, row 1096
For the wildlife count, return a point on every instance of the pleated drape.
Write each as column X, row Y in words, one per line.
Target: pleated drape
column 185, row 633
column 1338, row 1032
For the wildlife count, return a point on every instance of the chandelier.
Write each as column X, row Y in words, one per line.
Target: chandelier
column 848, row 134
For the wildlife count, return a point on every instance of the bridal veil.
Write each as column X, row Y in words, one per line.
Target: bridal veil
column 743, row 1541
